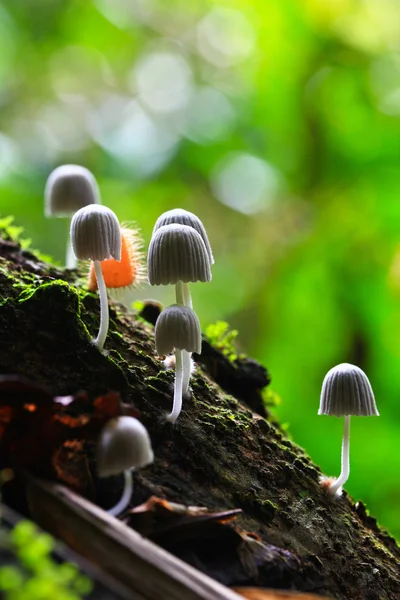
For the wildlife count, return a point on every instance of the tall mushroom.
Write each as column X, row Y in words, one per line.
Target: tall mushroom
column 177, row 328
column 124, row 445
column 178, row 255
column 96, row 235
column 69, row 188
column 346, row 391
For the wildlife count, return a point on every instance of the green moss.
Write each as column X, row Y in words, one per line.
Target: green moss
column 220, row 336
column 30, row 291
column 13, row 232
column 270, row 398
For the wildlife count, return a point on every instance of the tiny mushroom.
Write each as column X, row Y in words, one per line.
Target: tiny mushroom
column 178, row 255
column 96, row 235
column 177, row 328
column 184, row 217
column 346, row 391
column 124, row 445
column 69, row 188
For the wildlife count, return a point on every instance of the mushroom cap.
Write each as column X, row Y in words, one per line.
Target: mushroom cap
column 69, row 188
column 346, row 390
column 124, row 444
column 95, row 233
column 184, row 217
column 177, row 327
column 177, row 253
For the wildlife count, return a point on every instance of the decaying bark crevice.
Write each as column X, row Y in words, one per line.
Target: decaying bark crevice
column 219, row 455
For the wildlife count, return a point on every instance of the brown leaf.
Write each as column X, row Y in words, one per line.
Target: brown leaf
column 159, row 519
column 35, row 428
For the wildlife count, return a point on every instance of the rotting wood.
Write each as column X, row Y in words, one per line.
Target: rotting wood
column 219, row 455
column 147, row 570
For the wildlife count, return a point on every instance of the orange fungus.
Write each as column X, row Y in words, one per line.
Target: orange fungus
column 123, row 273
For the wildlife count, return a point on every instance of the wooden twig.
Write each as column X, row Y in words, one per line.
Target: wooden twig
column 148, row 571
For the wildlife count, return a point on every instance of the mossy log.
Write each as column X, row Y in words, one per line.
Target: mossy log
column 220, row 454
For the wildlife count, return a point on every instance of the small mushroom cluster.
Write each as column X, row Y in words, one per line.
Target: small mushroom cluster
column 179, row 254
column 95, row 235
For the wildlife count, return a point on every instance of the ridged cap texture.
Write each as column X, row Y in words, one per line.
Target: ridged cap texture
column 95, row 233
column 177, row 253
column 346, row 390
column 69, row 188
column 124, row 444
column 184, row 217
column 177, row 327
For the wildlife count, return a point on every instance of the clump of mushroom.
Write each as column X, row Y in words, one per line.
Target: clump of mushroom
column 177, row 329
column 346, row 391
column 179, row 254
column 124, row 445
column 69, row 188
column 96, row 235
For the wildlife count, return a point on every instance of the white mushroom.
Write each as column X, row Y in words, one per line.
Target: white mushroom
column 346, row 391
column 177, row 329
column 124, row 445
column 96, row 235
column 69, row 188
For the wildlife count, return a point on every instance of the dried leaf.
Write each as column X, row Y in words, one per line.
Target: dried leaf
column 44, row 434
column 158, row 519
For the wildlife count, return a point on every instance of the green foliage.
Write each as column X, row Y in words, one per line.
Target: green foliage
column 38, row 576
column 220, row 336
column 270, row 398
column 13, row 232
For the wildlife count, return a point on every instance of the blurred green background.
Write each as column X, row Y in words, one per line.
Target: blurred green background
column 278, row 123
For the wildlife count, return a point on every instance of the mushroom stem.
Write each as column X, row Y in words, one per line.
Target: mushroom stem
column 179, row 292
column 177, row 406
column 187, row 298
column 183, row 297
column 336, row 487
column 70, row 258
column 186, row 360
column 126, row 495
column 183, row 294
column 104, row 317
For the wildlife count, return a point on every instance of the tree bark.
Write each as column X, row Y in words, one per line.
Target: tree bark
column 220, row 454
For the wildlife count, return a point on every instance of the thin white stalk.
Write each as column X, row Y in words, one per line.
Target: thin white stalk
column 126, row 495
column 104, row 316
column 183, row 297
column 177, row 406
column 179, row 292
column 186, row 362
column 336, row 487
column 70, row 259
column 187, row 298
